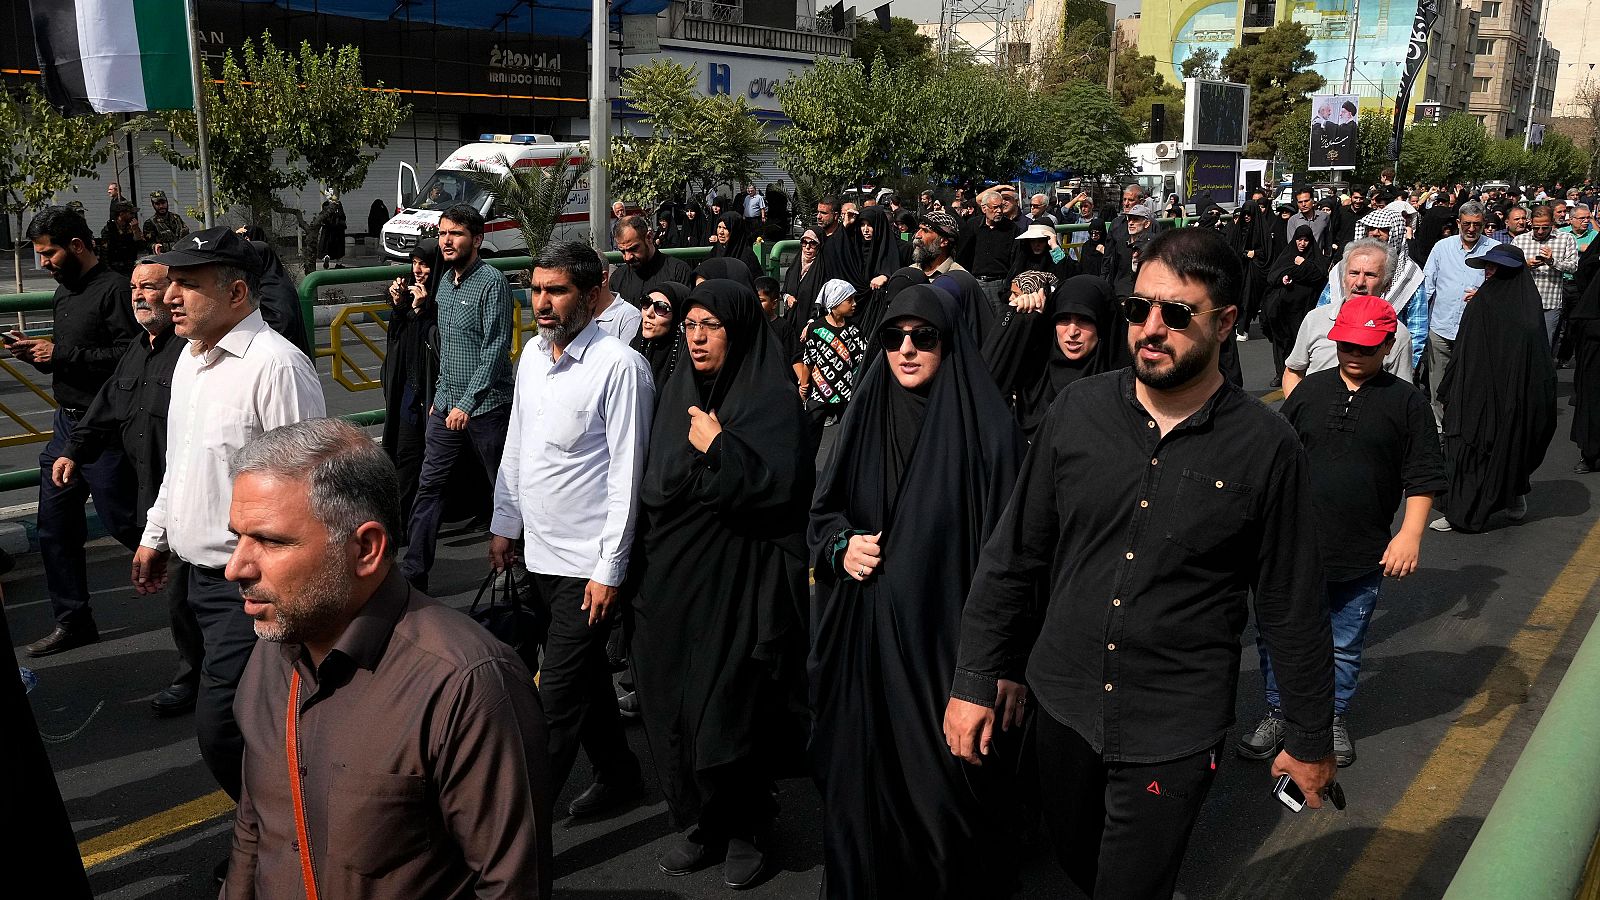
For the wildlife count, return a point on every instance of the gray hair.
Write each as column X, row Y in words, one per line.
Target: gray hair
column 1582, row 206
column 352, row 481
column 227, row 275
column 1370, row 245
column 1470, row 208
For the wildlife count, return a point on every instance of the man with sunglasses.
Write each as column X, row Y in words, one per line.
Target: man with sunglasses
column 1550, row 255
column 644, row 266
column 1153, row 502
column 1376, row 448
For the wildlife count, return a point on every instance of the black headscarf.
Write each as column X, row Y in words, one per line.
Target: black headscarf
column 661, row 352
column 1430, row 230
column 725, row 268
column 1026, row 359
column 692, row 232
column 739, row 243
column 932, row 471
column 974, row 304
column 1499, row 393
column 885, row 253
column 1092, row 261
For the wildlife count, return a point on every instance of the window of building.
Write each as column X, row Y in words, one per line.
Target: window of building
column 1480, row 85
column 1486, row 46
column 1490, row 9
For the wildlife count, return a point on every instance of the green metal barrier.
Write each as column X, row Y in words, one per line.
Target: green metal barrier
column 1539, row 840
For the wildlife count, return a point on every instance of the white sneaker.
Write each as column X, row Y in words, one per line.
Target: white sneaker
column 1241, row 337
column 1518, row 510
column 1440, row 524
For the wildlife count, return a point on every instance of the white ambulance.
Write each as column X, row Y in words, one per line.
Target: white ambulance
column 419, row 210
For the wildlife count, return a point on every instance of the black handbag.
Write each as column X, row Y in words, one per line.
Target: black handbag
column 516, row 614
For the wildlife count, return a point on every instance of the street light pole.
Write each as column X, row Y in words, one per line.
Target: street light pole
column 1350, row 57
column 599, row 122
column 1533, row 92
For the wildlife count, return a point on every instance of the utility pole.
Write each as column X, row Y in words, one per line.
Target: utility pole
column 599, row 123
column 1533, row 90
column 1350, row 56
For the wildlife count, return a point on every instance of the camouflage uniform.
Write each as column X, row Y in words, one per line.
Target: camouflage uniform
column 164, row 228
column 121, row 248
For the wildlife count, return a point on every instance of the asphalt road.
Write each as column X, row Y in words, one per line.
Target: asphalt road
column 1462, row 658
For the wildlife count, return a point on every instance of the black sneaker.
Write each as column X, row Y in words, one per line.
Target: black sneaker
column 1344, row 749
column 1265, row 740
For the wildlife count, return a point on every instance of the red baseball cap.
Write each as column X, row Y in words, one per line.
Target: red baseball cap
column 1364, row 320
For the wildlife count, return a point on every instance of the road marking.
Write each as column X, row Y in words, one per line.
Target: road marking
column 130, row 837
column 1403, row 842
column 1272, row 396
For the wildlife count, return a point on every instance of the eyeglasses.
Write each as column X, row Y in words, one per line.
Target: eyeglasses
column 1174, row 315
column 923, row 337
column 1357, row 349
column 808, row 242
column 661, row 308
column 709, row 326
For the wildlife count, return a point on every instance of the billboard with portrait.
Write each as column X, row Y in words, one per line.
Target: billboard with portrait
column 1334, row 144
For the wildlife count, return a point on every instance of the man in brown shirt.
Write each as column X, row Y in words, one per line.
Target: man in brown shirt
column 419, row 739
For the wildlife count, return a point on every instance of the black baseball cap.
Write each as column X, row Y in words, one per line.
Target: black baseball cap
column 213, row 246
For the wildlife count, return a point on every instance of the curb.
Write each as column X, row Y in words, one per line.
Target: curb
column 19, row 527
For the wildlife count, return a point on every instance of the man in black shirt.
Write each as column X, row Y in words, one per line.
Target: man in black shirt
column 93, row 326
column 1372, row 440
column 644, row 266
column 987, row 247
column 1153, row 502
column 130, row 414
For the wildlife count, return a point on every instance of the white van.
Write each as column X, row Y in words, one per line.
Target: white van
column 419, row 210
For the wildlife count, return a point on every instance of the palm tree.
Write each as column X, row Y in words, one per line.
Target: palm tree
column 533, row 195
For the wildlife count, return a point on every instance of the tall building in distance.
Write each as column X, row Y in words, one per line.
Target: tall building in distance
column 1511, row 78
column 1172, row 30
column 1574, row 30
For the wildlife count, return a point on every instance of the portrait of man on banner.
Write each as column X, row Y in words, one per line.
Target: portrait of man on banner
column 1333, row 131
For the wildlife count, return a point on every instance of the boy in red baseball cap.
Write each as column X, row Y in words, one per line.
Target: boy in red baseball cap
column 1372, row 442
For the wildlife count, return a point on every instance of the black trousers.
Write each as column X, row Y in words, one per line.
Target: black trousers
column 575, row 687
column 1118, row 829
column 186, row 633
column 64, row 529
column 228, row 636
column 484, row 435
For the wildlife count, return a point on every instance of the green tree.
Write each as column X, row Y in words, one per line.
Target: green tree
column 1373, row 130
column 1087, row 134
column 1077, row 12
column 901, row 45
column 986, row 127
column 1462, row 141
column 1137, row 114
column 1557, row 159
column 1202, row 63
column 533, row 195
column 278, row 121
column 1505, row 159
column 693, row 141
column 43, row 154
column 847, row 123
column 1422, row 154
column 1137, row 77
column 1278, row 71
column 1081, row 54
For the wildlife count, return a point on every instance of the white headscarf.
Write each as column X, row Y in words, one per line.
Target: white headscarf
column 835, row 292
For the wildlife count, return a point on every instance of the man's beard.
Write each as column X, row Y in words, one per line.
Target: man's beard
column 68, row 271
column 315, row 612
column 1183, row 368
column 570, row 326
column 924, row 254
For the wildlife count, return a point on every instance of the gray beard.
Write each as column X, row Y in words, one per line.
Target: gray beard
column 562, row 334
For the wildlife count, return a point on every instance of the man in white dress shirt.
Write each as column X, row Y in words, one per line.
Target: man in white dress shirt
column 237, row 380
column 569, row 487
column 615, row 316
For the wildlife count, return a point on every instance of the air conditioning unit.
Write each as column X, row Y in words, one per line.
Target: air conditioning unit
column 1166, row 151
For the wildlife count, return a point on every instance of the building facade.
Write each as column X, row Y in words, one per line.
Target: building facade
column 1511, row 79
column 1574, row 30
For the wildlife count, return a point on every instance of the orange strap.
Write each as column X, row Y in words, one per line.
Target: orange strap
column 291, row 718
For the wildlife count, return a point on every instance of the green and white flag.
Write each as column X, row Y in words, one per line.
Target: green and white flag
column 100, row 56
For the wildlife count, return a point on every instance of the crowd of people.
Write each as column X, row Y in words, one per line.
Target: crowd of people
column 1010, row 600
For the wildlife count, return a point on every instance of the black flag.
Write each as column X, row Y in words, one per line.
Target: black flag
column 882, row 13
column 1416, row 53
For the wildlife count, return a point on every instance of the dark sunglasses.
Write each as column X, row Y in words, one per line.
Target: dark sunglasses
column 923, row 337
column 1174, row 315
column 1357, row 349
column 809, row 243
column 662, row 308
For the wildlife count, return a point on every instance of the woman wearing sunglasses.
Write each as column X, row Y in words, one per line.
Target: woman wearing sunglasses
column 658, row 329
column 925, row 461
column 801, row 282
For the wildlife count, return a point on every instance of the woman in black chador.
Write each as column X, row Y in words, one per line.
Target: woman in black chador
column 720, row 619
column 1294, row 282
column 925, row 462
column 411, row 365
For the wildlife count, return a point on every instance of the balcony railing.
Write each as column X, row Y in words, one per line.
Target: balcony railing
column 726, row 13
column 1260, row 19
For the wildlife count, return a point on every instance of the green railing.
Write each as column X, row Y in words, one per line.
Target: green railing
column 1541, row 840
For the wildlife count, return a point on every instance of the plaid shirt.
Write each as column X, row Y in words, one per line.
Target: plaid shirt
column 474, row 341
column 1563, row 258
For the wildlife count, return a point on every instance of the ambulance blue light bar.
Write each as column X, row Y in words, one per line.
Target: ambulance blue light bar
column 509, row 138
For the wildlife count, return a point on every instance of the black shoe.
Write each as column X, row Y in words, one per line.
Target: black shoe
column 63, row 639
column 177, row 699
column 744, row 865
column 601, row 798
column 1582, row 468
column 628, row 705
column 1276, row 382
column 690, row 853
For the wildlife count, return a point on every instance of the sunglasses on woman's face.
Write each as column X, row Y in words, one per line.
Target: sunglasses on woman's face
column 923, row 337
column 808, row 242
column 661, row 308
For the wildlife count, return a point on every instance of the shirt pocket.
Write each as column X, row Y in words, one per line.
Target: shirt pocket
column 564, row 427
column 124, row 398
column 158, row 397
column 1209, row 511
column 377, row 822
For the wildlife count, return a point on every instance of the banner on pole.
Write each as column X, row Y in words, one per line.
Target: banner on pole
column 1333, row 131
column 100, row 56
column 1416, row 54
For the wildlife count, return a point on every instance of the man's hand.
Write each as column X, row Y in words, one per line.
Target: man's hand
column 61, row 471
column 149, row 570
column 1011, row 702
column 1312, row 777
column 703, row 428
column 597, row 599
column 1029, row 303
column 862, row 556
column 1400, row 557
column 456, row 420
column 969, row 730
column 38, row 351
column 502, row 553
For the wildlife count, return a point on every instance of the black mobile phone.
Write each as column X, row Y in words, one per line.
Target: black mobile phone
column 10, row 337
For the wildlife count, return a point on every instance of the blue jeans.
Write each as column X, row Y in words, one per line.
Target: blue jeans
column 485, row 435
column 64, row 529
column 1350, row 606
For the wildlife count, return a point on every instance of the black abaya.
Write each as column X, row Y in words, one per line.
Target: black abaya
column 1026, row 360
column 1499, row 394
column 901, row 815
column 720, row 636
column 975, row 309
column 1585, row 322
column 410, row 368
column 726, row 269
column 1286, row 305
column 740, row 243
column 662, row 352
